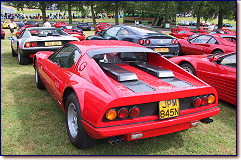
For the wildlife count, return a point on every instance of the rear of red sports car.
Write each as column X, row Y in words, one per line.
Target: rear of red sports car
column 123, row 91
column 143, row 94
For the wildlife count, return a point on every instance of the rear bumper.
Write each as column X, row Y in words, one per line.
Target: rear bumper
column 26, row 52
column 149, row 128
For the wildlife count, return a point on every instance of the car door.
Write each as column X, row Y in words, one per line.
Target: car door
column 221, row 75
column 111, row 33
column 58, row 68
column 210, row 45
column 196, row 45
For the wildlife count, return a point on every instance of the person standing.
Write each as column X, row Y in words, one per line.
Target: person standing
column 47, row 24
column 11, row 27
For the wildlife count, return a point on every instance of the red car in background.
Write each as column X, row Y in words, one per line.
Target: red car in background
column 217, row 71
column 122, row 91
column 59, row 24
column 2, row 34
column 201, row 30
column 75, row 33
column 206, row 44
column 182, row 34
column 179, row 28
column 21, row 29
column 229, row 31
column 101, row 26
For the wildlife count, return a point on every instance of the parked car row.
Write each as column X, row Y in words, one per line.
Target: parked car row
column 132, row 84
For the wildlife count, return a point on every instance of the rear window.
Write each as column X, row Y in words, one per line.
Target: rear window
column 144, row 31
column 46, row 32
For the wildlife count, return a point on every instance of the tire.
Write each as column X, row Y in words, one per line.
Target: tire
column 21, row 59
column 76, row 131
column 217, row 52
column 189, row 68
column 38, row 81
column 13, row 53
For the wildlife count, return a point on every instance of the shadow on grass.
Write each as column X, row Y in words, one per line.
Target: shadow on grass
column 43, row 130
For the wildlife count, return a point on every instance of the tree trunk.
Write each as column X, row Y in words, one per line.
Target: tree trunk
column 43, row 10
column 198, row 20
column 116, row 13
column 93, row 14
column 220, row 18
column 69, row 12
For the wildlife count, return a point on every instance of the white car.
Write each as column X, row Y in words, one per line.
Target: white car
column 32, row 40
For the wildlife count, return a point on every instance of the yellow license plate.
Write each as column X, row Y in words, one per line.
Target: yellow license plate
column 75, row 35
column 161, row 49
column 56, row 43
column 169, row 108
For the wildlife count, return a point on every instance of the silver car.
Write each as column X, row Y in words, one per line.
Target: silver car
column 32, row 40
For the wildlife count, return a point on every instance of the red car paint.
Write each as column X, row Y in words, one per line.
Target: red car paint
column 21, row 29
column 180, row 28
column 222, row 77
column 97, row 92
column 192, row 46
column 75, row 33
column 59, row 24
column 201, row 30
column 101, row 26
column 2, row 34
column 229, row 31
column 182, row 34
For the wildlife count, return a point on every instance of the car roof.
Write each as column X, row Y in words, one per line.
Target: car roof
column 88, row 45
column 36, row 28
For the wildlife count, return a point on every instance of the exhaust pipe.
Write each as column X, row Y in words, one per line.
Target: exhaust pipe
column 115, row 140
column 206, row 120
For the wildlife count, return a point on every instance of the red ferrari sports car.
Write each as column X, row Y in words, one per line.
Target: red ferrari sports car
column 182, row 34
column 59, row 24
column 122, row 91
column 229, row 31
column 201, row 30
column 206, row 44
column 75, row 33
column 101, row 26
column 179, row 28
column 218, row 71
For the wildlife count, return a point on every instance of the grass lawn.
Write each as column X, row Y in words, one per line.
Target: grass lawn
column 32, row 123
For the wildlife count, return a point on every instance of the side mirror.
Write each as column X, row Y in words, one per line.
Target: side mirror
column 211, row 59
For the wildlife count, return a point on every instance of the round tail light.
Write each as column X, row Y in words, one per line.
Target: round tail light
column 173, row 41
column 34, row 44
column 141, row 41
column 27, row 44
column 211, row 99
column 134, row 112
column 176, row 42
column 123, row 113
column 147, row 41
column 197, row 102
column 204, row 100
column 111, row 114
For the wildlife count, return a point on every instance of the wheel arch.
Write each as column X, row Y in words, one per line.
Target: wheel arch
column 217, row 49
column 182, row 62
column 66, row 93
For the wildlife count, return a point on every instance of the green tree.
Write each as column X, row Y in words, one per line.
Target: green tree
column 68, row 6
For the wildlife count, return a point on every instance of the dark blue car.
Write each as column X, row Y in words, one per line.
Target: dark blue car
column 84, row 26
column 146, row 36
